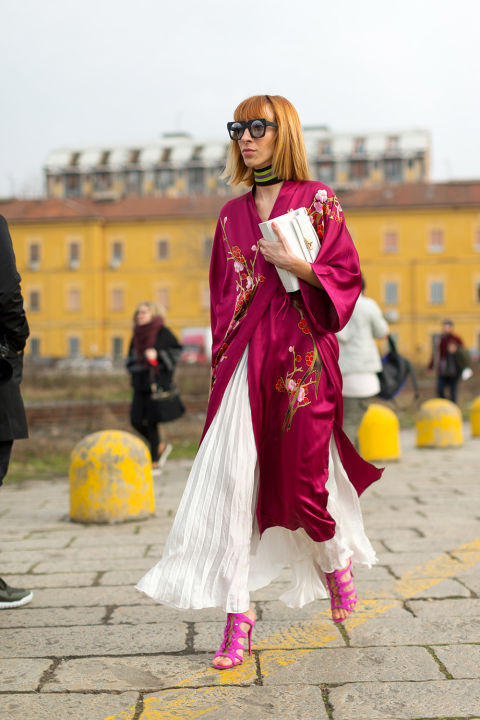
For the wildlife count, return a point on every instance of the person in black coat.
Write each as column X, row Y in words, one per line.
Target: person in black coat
column 152, row 356
column 14, row 332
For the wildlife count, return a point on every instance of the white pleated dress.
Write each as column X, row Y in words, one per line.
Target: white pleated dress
column 214, row 555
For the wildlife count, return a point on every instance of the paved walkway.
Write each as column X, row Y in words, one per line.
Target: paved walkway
column 89, row 647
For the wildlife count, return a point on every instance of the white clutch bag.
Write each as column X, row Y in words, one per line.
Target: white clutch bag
column 301, row 236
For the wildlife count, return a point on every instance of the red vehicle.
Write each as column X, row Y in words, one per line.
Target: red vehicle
column 194, row 349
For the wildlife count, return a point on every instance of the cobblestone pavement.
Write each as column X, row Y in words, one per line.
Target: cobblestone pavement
column 90, row 647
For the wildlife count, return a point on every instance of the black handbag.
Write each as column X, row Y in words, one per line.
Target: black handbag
column 165, row 403
column 395, row 371
column 462, row 359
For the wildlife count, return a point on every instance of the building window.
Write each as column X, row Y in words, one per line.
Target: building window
column 326, row 171
column 34, row 256
column 393, row 144
column 421, row 167
column 34, row 344
column 117, row 299
column 325, row 147
column 102, row 181
column 34, row 300
column 359, row 145
column 437, row 292
column 390, row 241
column 73, row 255
column 105, row 157
column 162, row 299
column 73, row 346
column 73, row 299
column 392, row 169
column 133, row 182
column 196, row 182
column 436, row 242
column 205, row 297
column 390, row 293
column 207, row 247
column 163, row 249
column 117, row 348
column 72, row 185
column 134, row 157
column 358, row 169
column 163, row 178
column 116, row 254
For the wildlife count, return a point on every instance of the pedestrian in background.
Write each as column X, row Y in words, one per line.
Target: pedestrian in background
column 275, row 482
column 444, row 361
column 360, row 361
column 153, row 354
column 13, row 336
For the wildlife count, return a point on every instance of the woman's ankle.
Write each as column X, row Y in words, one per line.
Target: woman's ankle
column 250, row 613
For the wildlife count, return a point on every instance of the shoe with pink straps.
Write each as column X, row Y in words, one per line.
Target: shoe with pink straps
column 343, row 595
column 231, row 640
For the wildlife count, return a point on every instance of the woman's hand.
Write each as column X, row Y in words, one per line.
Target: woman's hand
column 151, row 354
column 278, row 253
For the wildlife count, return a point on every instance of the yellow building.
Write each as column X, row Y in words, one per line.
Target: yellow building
column 85, row 265
column 419, row 247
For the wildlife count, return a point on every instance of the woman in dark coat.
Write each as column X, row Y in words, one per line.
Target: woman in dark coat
column 13, row 336
column 14, row 332
column 152, row 356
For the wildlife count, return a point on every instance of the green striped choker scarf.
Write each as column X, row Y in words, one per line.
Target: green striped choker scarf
column 265, row 176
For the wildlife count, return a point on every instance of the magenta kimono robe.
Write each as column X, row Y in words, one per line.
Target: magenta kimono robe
column 293, row 374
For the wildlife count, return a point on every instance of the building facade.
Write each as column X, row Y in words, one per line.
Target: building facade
column 85, row 265
column 420, row 253
column 85, row 268
column 180, row 165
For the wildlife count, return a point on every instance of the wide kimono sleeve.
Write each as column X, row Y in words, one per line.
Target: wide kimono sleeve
column 337, row 267
column 222, row 290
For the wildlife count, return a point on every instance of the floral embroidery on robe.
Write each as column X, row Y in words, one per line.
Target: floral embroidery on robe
column 304, row 376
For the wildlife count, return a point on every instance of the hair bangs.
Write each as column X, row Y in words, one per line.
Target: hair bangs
column 289, row 158
column 252, row 108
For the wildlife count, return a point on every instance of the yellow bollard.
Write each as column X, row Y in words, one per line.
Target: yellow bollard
column 439, row 424
column 110, row 478
column 475, row 417
column 378, row 434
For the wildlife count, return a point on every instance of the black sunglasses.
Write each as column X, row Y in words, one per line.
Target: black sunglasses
column 257, row 128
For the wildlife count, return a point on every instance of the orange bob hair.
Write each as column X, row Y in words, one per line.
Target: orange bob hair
column 289, row 157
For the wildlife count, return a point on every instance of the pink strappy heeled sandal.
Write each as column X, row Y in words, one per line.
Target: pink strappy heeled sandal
column 340, row 598
column 233, row 633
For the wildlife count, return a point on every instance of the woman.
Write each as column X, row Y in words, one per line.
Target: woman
column 275, row 481
column 152, row 357
column 360, row 361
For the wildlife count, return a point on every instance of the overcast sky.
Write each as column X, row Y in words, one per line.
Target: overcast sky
column 100, row 72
